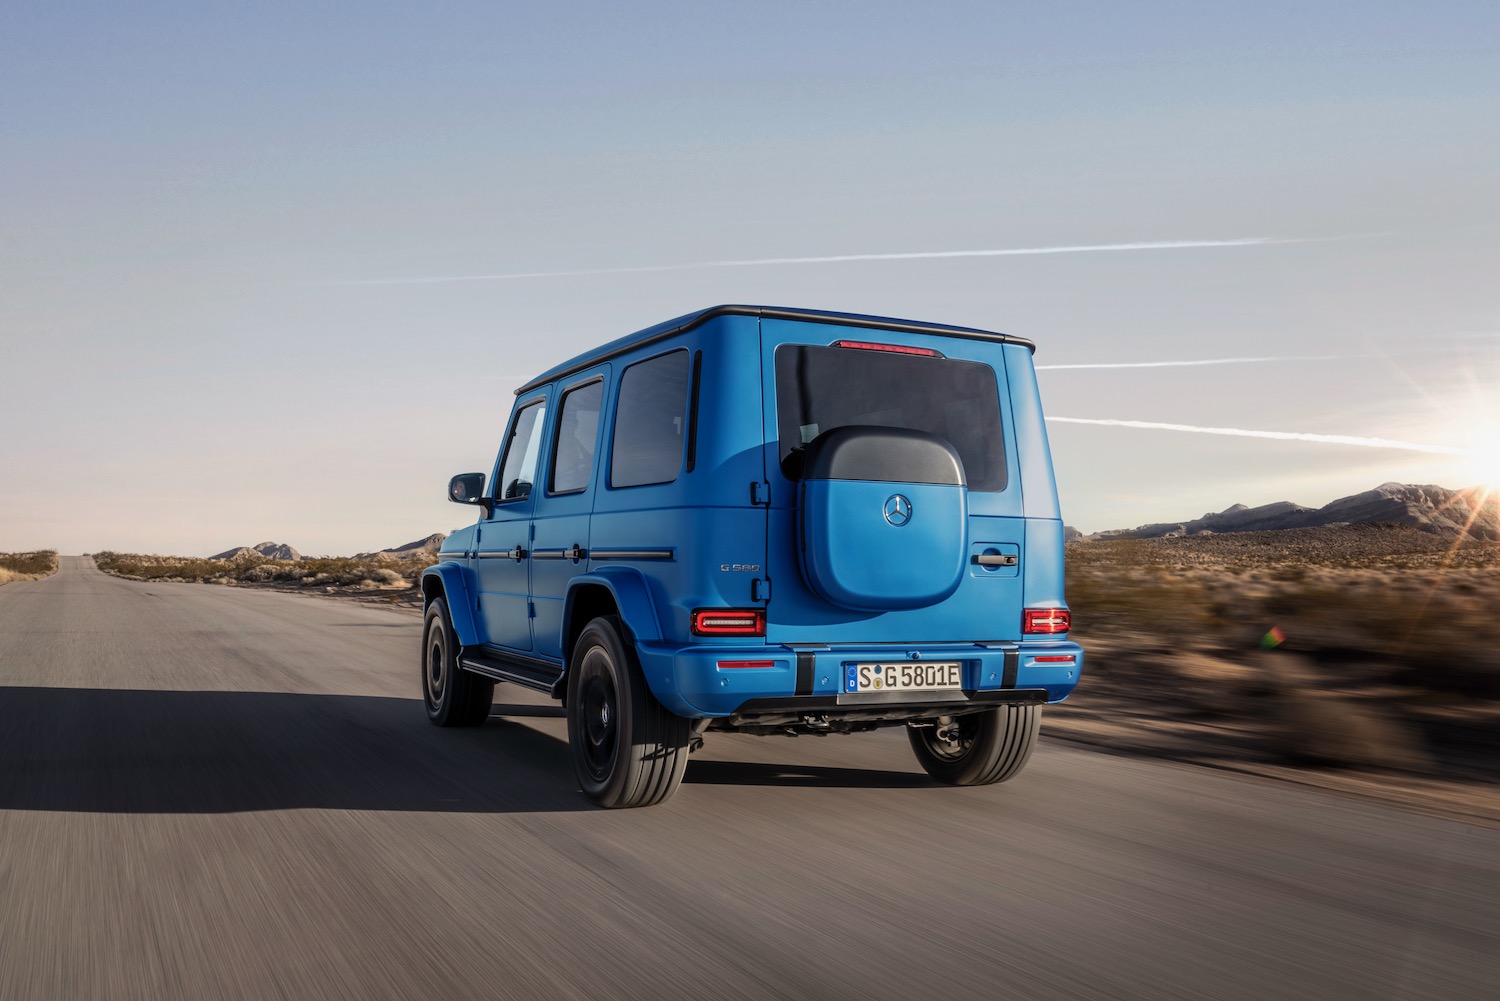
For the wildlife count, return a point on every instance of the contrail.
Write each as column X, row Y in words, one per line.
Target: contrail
column 1088, row 248
column 1326, row 439
column 1201, row 361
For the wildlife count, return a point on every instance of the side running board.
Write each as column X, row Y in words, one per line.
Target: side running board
column 538, row 675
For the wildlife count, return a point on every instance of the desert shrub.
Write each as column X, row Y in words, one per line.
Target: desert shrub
column 1143, row 600
column 319, row 572
column 162, row 568
column 24, row 566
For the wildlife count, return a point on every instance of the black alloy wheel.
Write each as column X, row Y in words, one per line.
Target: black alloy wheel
column 628, row 750
column 452, row 696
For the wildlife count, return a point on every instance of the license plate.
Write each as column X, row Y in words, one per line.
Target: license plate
column 902, row 677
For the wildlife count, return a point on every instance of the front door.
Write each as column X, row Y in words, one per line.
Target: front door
column 504, row 539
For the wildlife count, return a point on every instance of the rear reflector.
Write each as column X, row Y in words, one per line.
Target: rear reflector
column 895, row 349
column 1068, row 659
column 729, row 622
column 1046, row 620
column 745, row 664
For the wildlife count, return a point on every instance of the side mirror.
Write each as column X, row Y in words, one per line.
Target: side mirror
column 468, row 488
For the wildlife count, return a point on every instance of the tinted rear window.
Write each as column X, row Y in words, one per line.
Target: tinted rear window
column 649, row 422
column 821, row 388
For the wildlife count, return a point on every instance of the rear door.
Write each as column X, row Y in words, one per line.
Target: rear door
column 564, row 502
column 876, row 527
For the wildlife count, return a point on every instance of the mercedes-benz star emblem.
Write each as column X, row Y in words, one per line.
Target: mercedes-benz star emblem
column 897, row 510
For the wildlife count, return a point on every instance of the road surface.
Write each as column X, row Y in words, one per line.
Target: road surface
column 212, row 792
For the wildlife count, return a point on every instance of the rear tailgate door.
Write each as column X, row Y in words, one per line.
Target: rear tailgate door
column 867, row 526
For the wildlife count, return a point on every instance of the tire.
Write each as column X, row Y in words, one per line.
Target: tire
column 628, row 750
column 453, row 696
column 992, row 746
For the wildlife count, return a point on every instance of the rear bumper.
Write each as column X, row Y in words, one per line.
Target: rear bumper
column 814, row 713
column 691, row 682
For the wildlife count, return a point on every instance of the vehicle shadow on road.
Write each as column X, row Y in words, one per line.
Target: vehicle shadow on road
column 761, row 773
column 125, row 751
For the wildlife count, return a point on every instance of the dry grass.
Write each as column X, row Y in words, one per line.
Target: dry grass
column 385, row 578
column 27, row 566
column 1369, row 593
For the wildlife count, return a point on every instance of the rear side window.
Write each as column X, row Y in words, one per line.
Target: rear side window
column 650, row 422
column 516, row 469
column 822, row 388
column 577, row 431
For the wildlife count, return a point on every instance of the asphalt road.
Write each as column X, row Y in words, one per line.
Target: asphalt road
column 210, row 792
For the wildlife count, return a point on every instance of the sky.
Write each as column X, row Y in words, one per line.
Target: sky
column 273, row 271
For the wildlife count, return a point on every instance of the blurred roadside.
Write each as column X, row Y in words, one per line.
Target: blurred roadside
column 1359, row 657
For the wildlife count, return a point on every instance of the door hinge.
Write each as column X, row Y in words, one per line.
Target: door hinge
column 531, row 609
column 760, row 493
column 760, row 589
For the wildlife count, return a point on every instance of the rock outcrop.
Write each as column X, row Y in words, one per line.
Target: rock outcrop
column 428, row 545
column 265, row 550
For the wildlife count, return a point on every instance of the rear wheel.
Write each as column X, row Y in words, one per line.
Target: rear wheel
column 453, row 696
column 628, row 750
column 979, row 748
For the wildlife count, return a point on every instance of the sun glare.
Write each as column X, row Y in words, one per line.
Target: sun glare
column 1484, row 458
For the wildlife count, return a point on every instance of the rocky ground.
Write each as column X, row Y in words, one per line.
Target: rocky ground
column 1365, row 658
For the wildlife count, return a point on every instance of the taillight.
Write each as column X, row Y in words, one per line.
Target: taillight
column 895, row 349
column 742, row 665
column 729, row 622
column 1060, row 659
column 1046, row 620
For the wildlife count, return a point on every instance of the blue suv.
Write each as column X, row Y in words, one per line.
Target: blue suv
column 767, row 521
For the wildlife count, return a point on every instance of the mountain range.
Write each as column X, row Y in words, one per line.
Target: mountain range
column 1429, row 508
column 282, row 551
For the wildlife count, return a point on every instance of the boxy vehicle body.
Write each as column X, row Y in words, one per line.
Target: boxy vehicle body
column 768, row 521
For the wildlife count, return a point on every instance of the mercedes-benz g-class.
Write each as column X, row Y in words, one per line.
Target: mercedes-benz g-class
column 768, row 521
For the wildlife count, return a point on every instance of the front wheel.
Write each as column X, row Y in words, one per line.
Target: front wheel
column 628, row 750
column 453, row 696
column 979, row 748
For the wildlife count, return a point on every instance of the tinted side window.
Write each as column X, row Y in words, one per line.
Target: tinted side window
column 516, row 469
column 822, row 388
column 577, row 431
column 650, row 422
